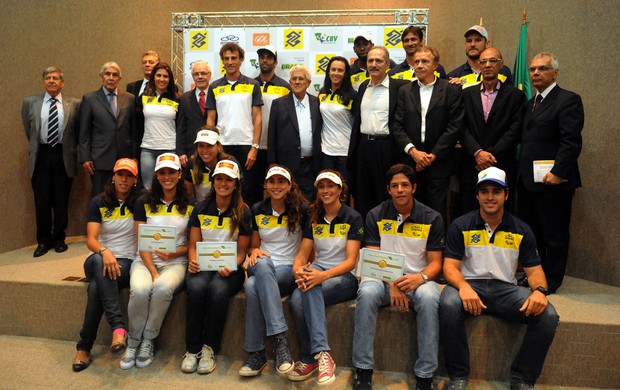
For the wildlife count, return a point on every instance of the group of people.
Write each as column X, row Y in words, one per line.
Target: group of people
column 206, row 155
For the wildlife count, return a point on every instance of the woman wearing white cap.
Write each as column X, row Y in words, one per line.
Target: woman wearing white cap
column 335, row 232
column 155, row 276
column 198, row 173
column 110, row 235
column 276, row 237
column 222, row 216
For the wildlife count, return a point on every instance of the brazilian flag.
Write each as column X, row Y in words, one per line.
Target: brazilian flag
column 521, row 74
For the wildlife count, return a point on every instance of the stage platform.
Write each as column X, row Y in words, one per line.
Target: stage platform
column 44, row 298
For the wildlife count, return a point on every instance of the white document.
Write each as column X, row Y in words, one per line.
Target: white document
column 213, row 256
column 383, row 265
column 157, row 237
column 541, row 167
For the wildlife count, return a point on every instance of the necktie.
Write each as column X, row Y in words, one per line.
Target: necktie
column 202, row 103
column 537, row 102
column 52, row 124
column 112, row 101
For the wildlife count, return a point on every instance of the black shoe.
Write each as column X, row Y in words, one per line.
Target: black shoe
column 60, row 247
column 519, row 385
column 283, row 354
column 362, row 379
column 41, row 250
column 423, row 383
column 254, row 364
column 80, row 365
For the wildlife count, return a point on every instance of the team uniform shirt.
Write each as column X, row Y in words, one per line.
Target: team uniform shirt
column 271, row 90
column 165, row 215
column 202, row 186
column 404, row 71
column 491, row 255
column 233, row 103
column 337, row 123
column 215, row 225
column 272, row 229
column 419, row 233
column 470, row 78
column 117, row 232
column 330, row 239
column 160, row 115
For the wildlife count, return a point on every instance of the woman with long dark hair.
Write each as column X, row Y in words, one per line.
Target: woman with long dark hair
column 157, row 108
column 157, row 275
column 221, row 217
column 110, row 235
column 276, row 237
column 335, row 232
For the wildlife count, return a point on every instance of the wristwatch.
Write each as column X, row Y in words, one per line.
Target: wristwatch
column 256, row 146
column 542, row 290
column 103, row 248
column 424, row 276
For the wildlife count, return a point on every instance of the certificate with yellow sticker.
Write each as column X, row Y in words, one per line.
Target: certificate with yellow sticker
column 387, row 266
column 157, row 237
column 213, row 256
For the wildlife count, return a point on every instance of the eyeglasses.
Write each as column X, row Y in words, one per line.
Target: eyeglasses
column 201, row 73
column 491, row 60
column 298, row 79
column 540, row 68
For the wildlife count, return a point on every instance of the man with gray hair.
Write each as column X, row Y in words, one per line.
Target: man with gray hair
column 50, row 122
column 294, row 137
column 192, row 110
column 548, row 169
column 107, row 127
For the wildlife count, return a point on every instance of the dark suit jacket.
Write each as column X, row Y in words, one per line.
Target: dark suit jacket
column 552, row 132
column 444, row 122
column 104, row 138
column 499, row 135
column 357, row 119
column 284, row 144
column 31, row 117
column 190, row 119
column 134, row 87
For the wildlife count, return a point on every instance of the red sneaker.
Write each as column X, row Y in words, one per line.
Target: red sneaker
column 302, row 371
column 326, row 368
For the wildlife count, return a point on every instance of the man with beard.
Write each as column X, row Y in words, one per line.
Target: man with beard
column 272, row 87
column 470, row 73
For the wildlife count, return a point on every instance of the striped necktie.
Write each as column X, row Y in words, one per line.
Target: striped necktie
column 52, row 125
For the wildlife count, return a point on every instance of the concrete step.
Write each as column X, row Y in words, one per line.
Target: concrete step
column 45, row 298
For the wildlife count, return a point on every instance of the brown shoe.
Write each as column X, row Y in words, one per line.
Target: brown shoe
column 119, row 342
column 81, row 361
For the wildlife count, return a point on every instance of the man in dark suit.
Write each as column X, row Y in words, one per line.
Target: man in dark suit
column 427, row 126
column 192, row 111
column 370, row 151
column 150, row 58
column 492, row 127
column 294, row 137
column 107, row 127
column 50, row 122
column 548, row 169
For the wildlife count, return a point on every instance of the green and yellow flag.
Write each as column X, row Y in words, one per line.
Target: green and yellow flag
column 521, row 74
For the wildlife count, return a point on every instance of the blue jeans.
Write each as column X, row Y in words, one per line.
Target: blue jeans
column 372, row 295
column 147, row 165
column 102, row 298
column 503, row 300
column 208, row 295
column 264, row 289
column 149, row 300
column 309, row 312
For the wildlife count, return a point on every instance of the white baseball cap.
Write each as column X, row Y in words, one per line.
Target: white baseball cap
column 269, row 48
column 207, row 136
column 228, row 168
column 493, row 174
column 329, row 176
column 278, row 171
column 168, row 160
column 478, row 29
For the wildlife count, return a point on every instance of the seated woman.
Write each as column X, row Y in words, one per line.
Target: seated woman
column 157, row 275
column 222, row 216
column 335, row 232
column 158, row 109
column 275, row 242
column 198, row 174
column 110, row 235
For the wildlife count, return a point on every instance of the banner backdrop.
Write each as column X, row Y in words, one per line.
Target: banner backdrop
column 312, row 46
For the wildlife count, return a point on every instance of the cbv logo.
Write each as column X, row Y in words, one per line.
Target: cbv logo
column 254, row 63
column 326, row 39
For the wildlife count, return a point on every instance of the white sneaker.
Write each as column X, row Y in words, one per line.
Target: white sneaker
column 207, row 360
column 129, row 358
column 190, row 362
column 145, row 354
